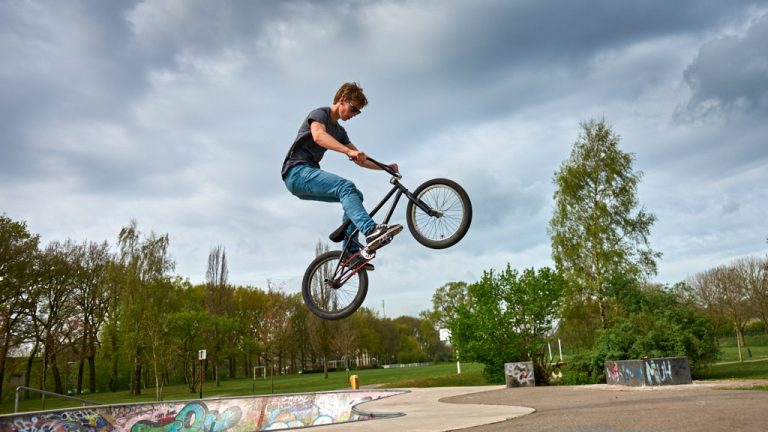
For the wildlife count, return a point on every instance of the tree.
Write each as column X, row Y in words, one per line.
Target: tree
column 219, row 302
column 145, row 265
column 370, row 337
column 91, row 299
column 18, row 252
column 445, row 300
column 321, row 333
column 509, row 318
column 726, row 292
column 598, row 228
column 753, row 274
column 186, row 329
column 56, row 307
column 249, row 308
column 412, row 342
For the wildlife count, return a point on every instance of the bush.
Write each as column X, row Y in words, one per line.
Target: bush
column 575, row 377
column 508, row 318
column 649, row 322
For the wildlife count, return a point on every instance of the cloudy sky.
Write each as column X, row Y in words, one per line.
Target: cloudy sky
column 178, row 113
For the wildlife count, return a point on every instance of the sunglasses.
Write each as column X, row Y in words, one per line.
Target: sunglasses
column 355, row 110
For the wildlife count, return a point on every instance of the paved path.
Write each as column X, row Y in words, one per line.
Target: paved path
column 702, row 406
column 425, row 413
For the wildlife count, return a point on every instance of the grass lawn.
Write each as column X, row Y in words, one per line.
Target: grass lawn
column 424, row 376
column 755, row 369
column 756, row 345
column 729, row 367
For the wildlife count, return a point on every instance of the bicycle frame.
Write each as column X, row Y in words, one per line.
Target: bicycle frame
column 398, row 190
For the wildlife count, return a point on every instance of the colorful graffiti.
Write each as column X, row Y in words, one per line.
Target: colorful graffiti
column 519, row 374
column 625, row 372
column 648, row 372
column 258, row 413
column 658, row 372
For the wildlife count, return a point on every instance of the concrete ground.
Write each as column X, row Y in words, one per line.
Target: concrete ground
column 701, row 406
column 424, row 411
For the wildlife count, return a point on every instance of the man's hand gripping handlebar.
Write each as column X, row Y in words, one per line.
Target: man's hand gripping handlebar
column 390, row 169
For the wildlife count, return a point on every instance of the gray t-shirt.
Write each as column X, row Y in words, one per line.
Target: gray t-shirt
column 304, row 148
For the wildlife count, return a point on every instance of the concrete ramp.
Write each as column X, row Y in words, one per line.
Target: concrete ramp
column 256, row 413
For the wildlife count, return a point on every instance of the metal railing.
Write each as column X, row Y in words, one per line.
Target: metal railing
column 44, row 392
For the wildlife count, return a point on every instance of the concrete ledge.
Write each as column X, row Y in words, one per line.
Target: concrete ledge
column 648, row 372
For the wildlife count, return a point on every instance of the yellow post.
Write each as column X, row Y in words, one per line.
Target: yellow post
column 354, row 381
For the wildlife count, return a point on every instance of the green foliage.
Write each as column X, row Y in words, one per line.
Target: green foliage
column 445, row 300
column 650, row 322
column 575, row 376
column 579, row 323
column 507, row 318
column 18, row 248
column 412, row 339
column 18, row 256
column 755, row 328
column 598, row 227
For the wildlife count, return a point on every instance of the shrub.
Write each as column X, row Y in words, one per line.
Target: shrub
column 508, row 318
column 648, row 322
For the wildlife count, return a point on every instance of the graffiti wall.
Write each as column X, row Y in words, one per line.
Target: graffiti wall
column 519, row 374
column 648, row 372
column 259, row 413
column 624, row 372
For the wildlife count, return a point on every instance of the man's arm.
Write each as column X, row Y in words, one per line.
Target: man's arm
column 324, row 139
column 366, row 163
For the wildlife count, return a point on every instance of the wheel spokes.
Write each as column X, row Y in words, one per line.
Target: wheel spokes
column 333, row 288
column 445, row 200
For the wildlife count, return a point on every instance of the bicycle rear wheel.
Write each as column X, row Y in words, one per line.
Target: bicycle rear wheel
column 455, row 214
column 332, row 291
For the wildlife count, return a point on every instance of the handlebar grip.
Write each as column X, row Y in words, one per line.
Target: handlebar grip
column 385, row 167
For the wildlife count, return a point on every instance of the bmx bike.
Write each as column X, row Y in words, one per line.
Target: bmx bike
column 438, row 215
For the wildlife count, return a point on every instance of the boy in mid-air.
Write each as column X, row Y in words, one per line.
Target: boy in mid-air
column 302, row 175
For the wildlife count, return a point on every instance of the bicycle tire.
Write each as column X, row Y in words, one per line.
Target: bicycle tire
column 322, row 298
column 452, row 200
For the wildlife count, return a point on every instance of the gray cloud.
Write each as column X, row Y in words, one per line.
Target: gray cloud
column 179, row 114
column 730, row 73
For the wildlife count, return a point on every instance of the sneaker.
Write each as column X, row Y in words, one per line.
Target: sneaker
column 380, row 235
column 355, row 260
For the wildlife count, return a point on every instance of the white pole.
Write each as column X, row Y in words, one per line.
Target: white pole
column 458, row 364
column 560, row 347
column 549, row 345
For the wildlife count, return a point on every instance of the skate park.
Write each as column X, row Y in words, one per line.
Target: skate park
column 700, row 405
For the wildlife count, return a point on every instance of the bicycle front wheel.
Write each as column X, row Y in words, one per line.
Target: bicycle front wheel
column 332, row 291
column 453, row 214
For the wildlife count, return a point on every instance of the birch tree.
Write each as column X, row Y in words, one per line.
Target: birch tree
column 598, row 227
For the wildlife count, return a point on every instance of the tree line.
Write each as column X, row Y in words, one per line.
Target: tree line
column 88, row 316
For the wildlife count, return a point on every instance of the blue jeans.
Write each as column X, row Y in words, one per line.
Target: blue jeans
column 310, row 183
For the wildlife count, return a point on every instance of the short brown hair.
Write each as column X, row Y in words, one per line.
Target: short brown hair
column 351, row 91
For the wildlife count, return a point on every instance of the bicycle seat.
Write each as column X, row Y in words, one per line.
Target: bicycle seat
column 340, row 232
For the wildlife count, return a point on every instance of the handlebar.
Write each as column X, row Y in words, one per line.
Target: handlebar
column 384, row 167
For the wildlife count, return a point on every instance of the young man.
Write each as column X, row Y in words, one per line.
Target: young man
column 302, row 175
